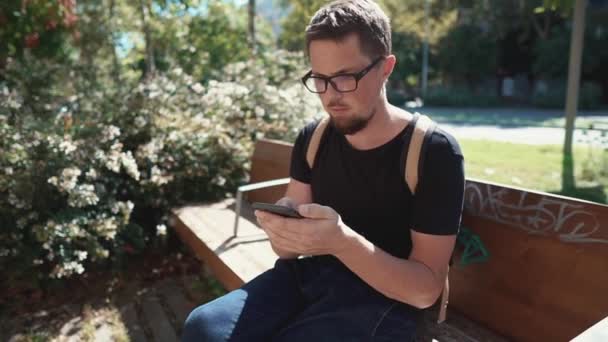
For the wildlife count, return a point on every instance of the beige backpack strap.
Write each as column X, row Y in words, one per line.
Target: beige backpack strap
column 315, row 140
column 423, row 127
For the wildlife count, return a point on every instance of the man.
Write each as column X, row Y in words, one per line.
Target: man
column 375, row 254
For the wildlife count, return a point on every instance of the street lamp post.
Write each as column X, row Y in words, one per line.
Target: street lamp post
column 425, row 49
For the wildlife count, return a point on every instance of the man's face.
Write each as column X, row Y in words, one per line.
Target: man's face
column 349, row 112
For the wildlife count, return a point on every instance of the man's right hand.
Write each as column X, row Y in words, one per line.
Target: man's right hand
column 283, row 254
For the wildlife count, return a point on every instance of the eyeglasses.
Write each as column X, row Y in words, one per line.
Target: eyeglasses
column 343, row 83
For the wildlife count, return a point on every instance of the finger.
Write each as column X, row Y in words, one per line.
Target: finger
column 267, row 220
column 286, row 201
column 283, row 243
column 316, row 211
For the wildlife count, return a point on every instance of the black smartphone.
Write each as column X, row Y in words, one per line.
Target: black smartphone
column 277, row 209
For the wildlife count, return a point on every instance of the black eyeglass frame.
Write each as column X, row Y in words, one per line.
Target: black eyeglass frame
column 356, row 75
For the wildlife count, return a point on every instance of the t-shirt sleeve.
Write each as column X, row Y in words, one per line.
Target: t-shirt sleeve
column 439, row 195
column 299, row 169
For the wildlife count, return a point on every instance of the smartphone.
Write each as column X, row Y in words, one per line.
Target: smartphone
column 277, row 209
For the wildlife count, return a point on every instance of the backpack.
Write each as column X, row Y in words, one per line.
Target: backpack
column 411, row 168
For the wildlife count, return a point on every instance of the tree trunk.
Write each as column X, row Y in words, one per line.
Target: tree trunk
column 574, row 78
column 252, row 42
column 115, row 61
column 150, row 63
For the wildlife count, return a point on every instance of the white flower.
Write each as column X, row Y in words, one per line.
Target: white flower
column 100, row 155
column 53, row 181
column 74, row 229
column 68, row 179
column 91, row 174
column 198, row 88
column 161, row 230
column 67, row 269
column 109, row 133
column 106, row 227
column 83, row 195
column 67, row 147
column 128, row 162
column 8, row 171
column 157, row 177
column 112, row 161
column 124, row 208
column 177, row 71
column 219, row 180
column 16, row 202
column 140, row 121
column 259, row 111
column 104, row 253
column 81, row 255
column 150, row 150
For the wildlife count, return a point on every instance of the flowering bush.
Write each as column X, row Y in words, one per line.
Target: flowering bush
column 77, row 191
column 64, row 199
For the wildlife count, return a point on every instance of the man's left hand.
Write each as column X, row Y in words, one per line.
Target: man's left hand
column 321, row 231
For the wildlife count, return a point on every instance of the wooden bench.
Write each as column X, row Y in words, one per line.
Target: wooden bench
column 517, row 293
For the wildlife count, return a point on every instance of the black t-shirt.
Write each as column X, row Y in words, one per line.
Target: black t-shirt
column 367, row 187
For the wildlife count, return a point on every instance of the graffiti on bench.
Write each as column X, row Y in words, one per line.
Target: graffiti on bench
column 535, row 213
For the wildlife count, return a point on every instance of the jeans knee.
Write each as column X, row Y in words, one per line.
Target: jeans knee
column 203, row 324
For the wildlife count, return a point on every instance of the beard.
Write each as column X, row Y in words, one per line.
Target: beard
column 352, row 125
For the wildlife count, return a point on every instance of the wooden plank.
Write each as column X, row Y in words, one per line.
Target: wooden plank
column 162, row 330
column 271, row 160
column 233, row 260
column 597, row 333
column 220, row 270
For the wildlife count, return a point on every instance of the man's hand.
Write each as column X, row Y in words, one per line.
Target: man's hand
column 321, row 231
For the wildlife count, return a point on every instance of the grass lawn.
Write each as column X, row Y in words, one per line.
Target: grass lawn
column 536, row 167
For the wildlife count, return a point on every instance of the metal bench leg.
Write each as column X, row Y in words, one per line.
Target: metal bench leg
column 237, row 212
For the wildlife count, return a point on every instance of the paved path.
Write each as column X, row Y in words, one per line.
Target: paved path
column 520, row 135
column 157, row 313
column 516, row 125
column 151, row 313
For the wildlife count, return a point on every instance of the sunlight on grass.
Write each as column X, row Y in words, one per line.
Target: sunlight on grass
column 528, row 166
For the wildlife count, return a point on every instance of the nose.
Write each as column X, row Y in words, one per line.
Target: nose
column 331, row 94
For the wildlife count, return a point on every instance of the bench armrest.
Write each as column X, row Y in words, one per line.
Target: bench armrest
column 261, row 185
column 251, row 187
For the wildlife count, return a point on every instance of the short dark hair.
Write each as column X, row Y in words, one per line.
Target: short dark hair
column 340, row 18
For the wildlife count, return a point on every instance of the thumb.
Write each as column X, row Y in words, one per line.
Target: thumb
column 316, row 211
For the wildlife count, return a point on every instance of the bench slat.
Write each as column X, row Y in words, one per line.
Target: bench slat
column 207, row 229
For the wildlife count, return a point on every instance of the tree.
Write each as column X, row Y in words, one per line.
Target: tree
column 36, row 27
column 467, row 54
column 294, row 24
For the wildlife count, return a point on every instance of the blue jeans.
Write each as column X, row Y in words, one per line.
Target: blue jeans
column 310, row 299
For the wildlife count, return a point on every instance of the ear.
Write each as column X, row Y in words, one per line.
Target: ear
column 389, row 65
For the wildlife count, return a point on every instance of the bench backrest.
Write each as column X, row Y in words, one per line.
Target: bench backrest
column 547, row 275
column 270, row 160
